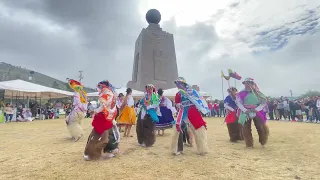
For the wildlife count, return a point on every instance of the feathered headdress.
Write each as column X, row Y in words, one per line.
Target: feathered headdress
column 77, row 86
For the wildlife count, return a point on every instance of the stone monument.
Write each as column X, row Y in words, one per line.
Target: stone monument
column 154, row 56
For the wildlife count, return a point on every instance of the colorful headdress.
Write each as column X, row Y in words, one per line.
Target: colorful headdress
column 254, row 88
column 232, row 89
column 248, row 80
column 181, row 83
column 150, row 87
column 106, row 84
column 77, row 86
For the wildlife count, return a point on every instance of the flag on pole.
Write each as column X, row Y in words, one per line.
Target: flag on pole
column 234, row 75
column 225, row 77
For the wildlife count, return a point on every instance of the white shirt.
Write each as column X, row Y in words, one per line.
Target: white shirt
column 130, row 101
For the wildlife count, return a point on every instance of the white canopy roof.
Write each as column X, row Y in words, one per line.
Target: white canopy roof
column 27, row 89
column 121, row 90
column 170, row 93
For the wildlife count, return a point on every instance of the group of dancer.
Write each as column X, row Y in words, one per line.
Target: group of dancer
column 156, row 113
column 244, row 107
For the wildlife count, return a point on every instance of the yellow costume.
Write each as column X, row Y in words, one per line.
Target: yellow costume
column 127, row 113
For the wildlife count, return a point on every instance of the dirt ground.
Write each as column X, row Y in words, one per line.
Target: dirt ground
column 43, row 150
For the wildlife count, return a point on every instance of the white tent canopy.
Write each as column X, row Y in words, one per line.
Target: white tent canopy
column 27, row 89
column 170, row 93
column 121, row 90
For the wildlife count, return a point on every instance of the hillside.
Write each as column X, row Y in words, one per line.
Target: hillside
column 10, row 72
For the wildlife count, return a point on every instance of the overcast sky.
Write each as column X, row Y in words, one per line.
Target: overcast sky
column 276, row 42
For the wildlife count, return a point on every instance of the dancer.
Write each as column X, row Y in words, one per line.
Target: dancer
column 100, row 138
column 147, row 117
column 166, row 118
column 234, row 128
column 189, row 101
column 252, row 106
column 74, row 119
column 127, row 116
column 119, row 102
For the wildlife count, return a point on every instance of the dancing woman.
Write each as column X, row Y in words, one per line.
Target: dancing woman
column 119, row 102
column 103, row 122
column 127, row 115
column 79, row 107
column 147, row 117
column 166, row 119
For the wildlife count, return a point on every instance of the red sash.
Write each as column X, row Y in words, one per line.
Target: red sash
column 100, row 123
column 231, row 117
column 195, row 118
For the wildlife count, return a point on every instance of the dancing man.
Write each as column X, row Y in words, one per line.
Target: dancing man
column 127, row 116
column 77, row 113
column 234, row 128
column 147, row 117
column 105, row 136
column 252, row 106
column 166, row 118
column 188, row 100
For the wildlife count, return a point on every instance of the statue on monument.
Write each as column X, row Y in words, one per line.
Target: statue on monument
column 154, row 56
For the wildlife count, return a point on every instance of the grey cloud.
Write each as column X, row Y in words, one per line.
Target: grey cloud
column 102, row 48
column 103, row 23
column 104, row 43
column 192, row 45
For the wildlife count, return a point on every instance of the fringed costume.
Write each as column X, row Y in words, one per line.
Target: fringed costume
column 74, row 119
column 147, row 117
column 189, row 113
column 252, row 107
column 234, row 128
column 127, row 116
column 105, row 135
column 166, row 119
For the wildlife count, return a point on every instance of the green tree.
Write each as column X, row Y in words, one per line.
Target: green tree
column 310, row 93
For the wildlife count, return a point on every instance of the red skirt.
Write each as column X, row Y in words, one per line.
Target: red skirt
column 100, row 123
column 195, row 118
column 231, row 117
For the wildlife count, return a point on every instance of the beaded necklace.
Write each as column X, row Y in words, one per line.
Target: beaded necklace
column 147, row 99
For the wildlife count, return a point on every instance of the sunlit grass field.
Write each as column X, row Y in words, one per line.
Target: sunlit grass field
column 44, row 150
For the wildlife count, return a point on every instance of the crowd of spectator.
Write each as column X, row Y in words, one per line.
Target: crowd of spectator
column 216, row 109
column 21, row 112
column 305, row 109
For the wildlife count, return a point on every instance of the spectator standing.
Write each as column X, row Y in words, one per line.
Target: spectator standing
column 216, row 109
column 8, row 110
column 315, row 111
column 293, row 110
column 318, row 110
column 276, row 111
column 221, row 109
column 210, row 106
column 299, row 111
column 281, row 110
column 271, row 109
